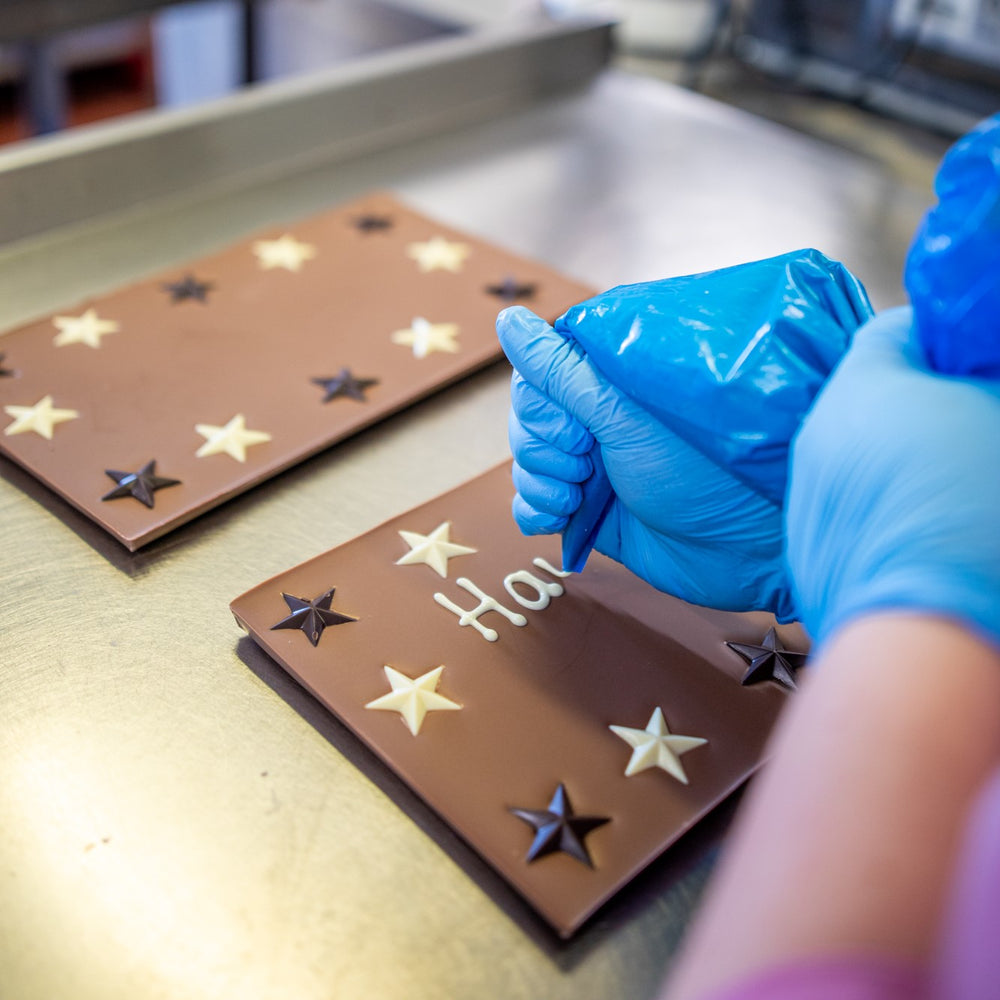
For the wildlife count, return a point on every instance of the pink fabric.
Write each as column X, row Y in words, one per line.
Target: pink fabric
column 832, row 979
column 966, row 965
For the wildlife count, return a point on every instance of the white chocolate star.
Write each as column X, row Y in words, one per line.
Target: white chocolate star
column 286, row 252
column 439, row 254
column 40, row 418
column 656, row 746
column 434, row 549
column 233, row 439
column 413, row 697
column 86, row 329
column 425, row 337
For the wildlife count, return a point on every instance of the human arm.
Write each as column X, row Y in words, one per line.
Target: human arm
column 850, row 834
column 847, row 841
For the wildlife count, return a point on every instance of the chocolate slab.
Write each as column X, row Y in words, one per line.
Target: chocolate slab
column 303, row 335
column 537, row 702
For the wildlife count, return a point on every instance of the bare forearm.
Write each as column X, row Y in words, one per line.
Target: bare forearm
column 847, row 840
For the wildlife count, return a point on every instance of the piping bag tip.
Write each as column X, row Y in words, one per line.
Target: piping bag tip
column 581, row 531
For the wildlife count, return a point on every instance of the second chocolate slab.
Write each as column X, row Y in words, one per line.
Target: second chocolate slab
column 149, row 405
column 492, row 690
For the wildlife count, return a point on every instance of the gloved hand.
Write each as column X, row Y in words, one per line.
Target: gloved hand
column 894, row 498
column 692, row 388
column 678, row 520
column 951, row 269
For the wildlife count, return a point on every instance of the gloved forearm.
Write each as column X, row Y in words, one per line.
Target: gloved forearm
column 894, row 500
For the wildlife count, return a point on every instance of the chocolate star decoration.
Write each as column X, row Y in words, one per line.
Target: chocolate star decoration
column 372, row 223
column 345, row 384
column 5, row 372
column 769, row 661
column 141, row 485
column 509, row 290
column 558, row 829
column 189, row 287
column 312, row 616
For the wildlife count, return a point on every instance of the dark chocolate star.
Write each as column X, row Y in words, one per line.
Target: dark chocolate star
column 509, row 289
column 5, row 372
column 371, row 223
column 189, row 287
column 141, row 485
column 312, row 616
column 557, row 829
column 345, row 384
column 769, row 661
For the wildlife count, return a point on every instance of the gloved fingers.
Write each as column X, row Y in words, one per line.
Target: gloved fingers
column 538, row 456
column 545, row 420
column 535, row 522
column 545, row 494
column 559, row 370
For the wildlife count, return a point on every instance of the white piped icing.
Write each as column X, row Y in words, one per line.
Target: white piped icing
column 486, row 603
column 549, row 568
column 545, row 591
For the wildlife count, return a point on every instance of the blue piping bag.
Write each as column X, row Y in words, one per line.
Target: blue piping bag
column 729, row 360
column 580, row 534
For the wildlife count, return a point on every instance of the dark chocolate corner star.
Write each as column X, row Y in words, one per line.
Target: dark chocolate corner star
column 558, row 829
column 141, row 485
column 345, row 384
column 371, row 222
column 5, row 372
column 510, row 290
column 769, row 661
column 189, row 287
column 312, row 616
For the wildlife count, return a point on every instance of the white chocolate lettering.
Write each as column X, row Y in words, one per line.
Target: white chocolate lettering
column 549, row 568
column 545, row 591
column 486, row 603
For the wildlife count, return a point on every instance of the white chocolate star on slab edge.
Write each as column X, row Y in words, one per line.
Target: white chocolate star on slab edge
column 656, row 746
column 413, row 697
column 40, row 418
column 233, row 438
column 434, row 549
column 286, row 252
column 439, row 254
column 426, row 337
column 85, row 329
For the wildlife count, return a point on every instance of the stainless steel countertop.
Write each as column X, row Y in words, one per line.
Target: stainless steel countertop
column 177, row 818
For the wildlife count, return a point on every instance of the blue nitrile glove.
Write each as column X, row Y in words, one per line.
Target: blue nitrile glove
column 730, row 359
column 678, row 520
column 894, row 498
column 952, row 270
column 693, row 388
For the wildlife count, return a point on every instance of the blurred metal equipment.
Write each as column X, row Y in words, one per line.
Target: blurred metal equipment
column 35, row 25
column 20, row 19
column 936, row 62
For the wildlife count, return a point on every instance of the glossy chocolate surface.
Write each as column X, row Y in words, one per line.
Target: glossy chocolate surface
column 222, row 336
column 537, row 703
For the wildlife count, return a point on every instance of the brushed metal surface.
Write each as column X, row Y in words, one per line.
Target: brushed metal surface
column 177, row 819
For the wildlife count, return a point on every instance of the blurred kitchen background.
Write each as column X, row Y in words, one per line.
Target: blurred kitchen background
column 893, row 78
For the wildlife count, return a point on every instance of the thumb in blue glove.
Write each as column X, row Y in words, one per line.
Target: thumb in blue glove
column 679, row 520
column 895, row 489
